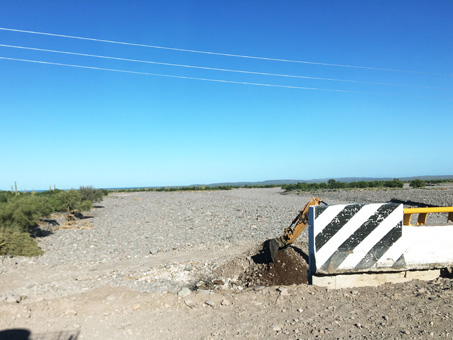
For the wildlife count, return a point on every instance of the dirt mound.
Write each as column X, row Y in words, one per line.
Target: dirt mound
column 290, row 267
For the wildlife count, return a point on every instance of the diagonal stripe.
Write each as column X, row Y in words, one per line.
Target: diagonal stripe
column 400, row 263
column 391, row 256
column 324, row 253
column 380, row 248
column 379, row 228
column 335, row 224
column 319, row 210
column 334, row 261
column 326, row 216
column 368, row 227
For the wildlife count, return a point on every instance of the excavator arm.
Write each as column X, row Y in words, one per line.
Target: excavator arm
column 291, row 233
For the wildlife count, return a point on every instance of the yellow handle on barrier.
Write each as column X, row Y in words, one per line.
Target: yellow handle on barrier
column 423, row 214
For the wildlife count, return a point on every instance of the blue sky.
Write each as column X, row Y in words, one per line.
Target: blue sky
column 69, row 126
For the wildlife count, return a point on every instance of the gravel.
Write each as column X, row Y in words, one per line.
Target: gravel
column 149, row 240
column 141, row 224
column 130, row 225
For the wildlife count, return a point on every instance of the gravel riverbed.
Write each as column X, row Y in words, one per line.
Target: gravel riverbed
column 162, row 242
column 155, row 227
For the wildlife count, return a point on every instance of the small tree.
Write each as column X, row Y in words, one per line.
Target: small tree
column 417, row 183
column 91, row 194
column 332, row 183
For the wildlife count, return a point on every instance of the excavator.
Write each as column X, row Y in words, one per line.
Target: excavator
column 291, row 233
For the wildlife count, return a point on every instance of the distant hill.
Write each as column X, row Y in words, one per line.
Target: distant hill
column 323, row 180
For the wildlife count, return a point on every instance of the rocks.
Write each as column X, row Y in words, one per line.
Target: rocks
column 209, row 303
column 276, row 328
column 201, row 285
column 169, row 242
column 193, row 232
column 218, row 282
column 283, row 291
column 12, row 298
column 184, row 292
column 189, row 303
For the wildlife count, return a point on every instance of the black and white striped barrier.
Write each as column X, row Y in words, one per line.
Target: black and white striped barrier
column 357, row 238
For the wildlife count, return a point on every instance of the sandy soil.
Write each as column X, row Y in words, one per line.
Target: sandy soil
column 212, row 288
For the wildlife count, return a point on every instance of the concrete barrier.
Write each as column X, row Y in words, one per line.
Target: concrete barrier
column 370, row 238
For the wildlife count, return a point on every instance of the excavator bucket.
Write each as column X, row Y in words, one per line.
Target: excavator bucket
column 292, row 232
column 274, row 246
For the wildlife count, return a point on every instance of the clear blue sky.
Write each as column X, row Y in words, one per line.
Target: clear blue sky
column 69, row 126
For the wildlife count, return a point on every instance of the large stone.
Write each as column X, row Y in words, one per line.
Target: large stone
column 184, row 292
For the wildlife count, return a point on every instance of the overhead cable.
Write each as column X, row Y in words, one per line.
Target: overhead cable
column 216, row 69
column 218, row 80
column 191, row 78
column 221, row 54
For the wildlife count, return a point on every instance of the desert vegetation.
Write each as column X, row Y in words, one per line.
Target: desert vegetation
column 20, row 212
column 417, row 183
column 195, row 188
column 177, row 188
column 333, row 184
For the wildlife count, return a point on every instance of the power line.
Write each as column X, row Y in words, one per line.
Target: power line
column 191, row 78
column 216, row 80
column 216, row 69
column 222, row 54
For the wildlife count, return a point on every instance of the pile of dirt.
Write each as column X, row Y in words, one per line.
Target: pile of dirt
column 289, row 267
column 255, row 268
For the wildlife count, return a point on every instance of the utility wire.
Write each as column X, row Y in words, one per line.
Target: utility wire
column 221, row 54
column 191, row 78
column 217, row 69
column 216, row 80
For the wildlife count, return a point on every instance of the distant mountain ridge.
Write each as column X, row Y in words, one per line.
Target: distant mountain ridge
column 323, row 180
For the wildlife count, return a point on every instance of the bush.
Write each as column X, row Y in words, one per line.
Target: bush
column 20, row 212
column 333, row 184
column 18, row 244
column 5, row 196
column 90, row 194
column 71, row 200
column 417, row 183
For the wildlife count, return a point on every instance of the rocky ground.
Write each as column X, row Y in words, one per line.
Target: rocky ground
column 182, row 265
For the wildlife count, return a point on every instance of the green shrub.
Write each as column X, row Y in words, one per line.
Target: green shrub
column 90, row 194
column 333, row 184
column 396, row 183
column 19, row 214
column 18, row 244
column 64, row 201
column 71, row 199
column 5, row 196
column 417, row 183
column 22, row 212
